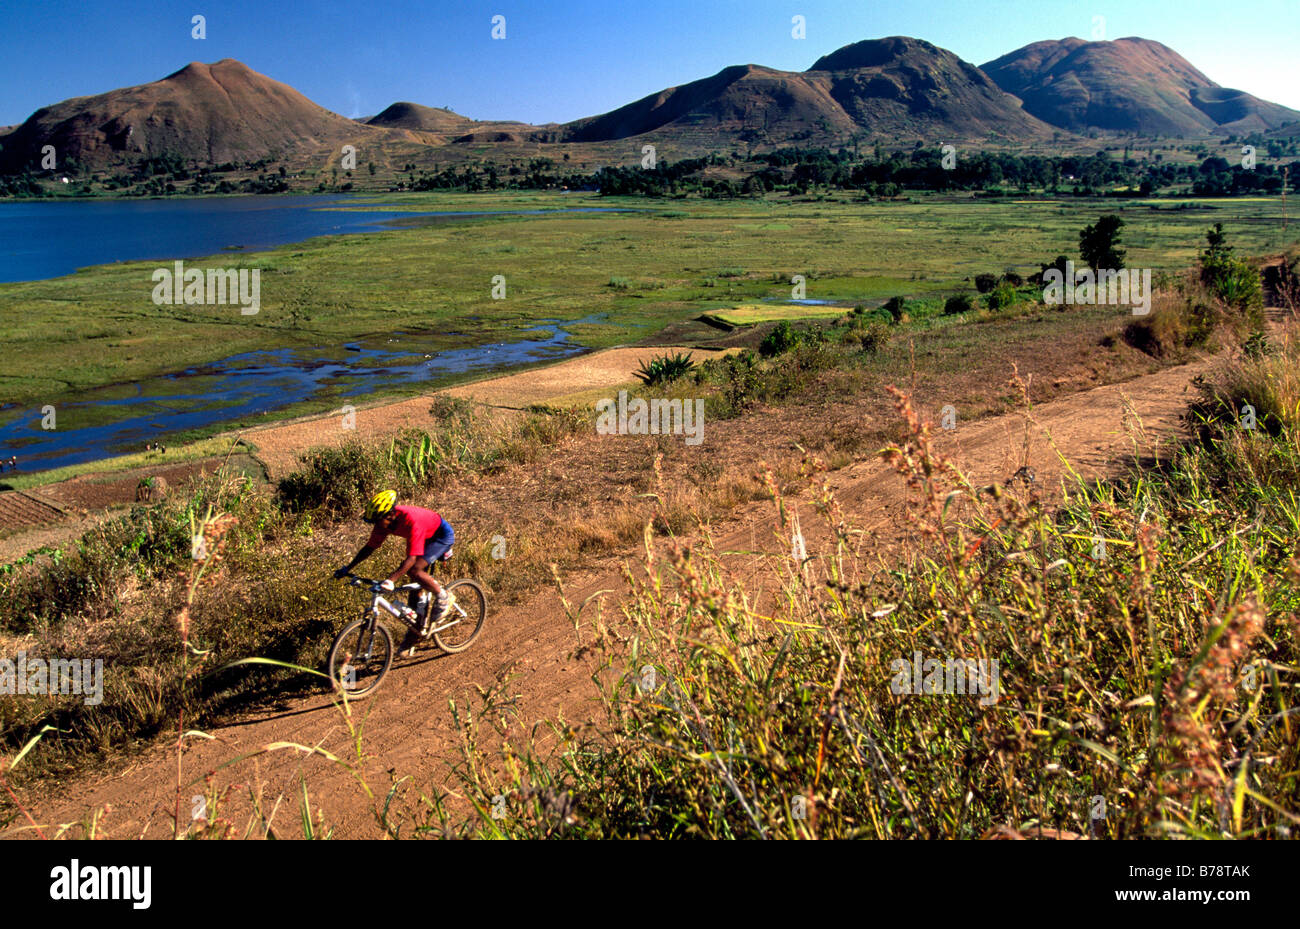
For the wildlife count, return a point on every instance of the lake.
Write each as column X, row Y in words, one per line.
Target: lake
column 41, row 239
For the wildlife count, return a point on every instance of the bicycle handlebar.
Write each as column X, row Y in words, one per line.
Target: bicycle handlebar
column 358, row 581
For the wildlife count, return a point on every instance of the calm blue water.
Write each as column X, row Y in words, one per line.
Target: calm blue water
column 240, row 387
column 43, row 239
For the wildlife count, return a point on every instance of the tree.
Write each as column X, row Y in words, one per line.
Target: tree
column 1099, row 244
column 1058, row 263
column 1235, row 281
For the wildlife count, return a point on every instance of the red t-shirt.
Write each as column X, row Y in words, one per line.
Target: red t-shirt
column 413, row 523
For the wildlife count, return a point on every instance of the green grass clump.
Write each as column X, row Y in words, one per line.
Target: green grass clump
column 1263, row 382
column 1001, row 297
column 1234, row 281
column 871, row 337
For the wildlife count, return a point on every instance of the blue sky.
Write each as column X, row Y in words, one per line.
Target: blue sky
column 563, row 60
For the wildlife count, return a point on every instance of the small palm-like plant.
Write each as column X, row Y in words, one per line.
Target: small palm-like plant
column 665, row 368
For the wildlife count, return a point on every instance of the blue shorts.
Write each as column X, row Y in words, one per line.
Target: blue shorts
column 439, row 543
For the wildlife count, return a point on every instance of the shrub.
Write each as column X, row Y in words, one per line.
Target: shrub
column 740, row 381
column 985, row 282
column 339, row 480
column 1284, row 279
column 1176, row 323
column 1002, row 297
column 1058, row 263
column 871, row 338
column 151, row 489
column 780, row 340
column 895, row 307
column 1099, row 244
column 450, row 410
column 958, row 303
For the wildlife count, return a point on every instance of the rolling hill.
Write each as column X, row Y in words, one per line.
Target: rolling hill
column 403, row 115
column 1127, row 85
column 436, row 126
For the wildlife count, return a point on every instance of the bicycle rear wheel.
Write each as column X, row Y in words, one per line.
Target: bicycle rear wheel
column 360, row 657
column 469, row 612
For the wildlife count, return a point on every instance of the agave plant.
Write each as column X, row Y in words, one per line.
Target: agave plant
column 415, row 455
column 665, row 368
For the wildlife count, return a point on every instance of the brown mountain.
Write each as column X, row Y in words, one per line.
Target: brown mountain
column 210, row 113
column 901, row 84
column 736, row 99
column 1128, row 85
column 891, row 86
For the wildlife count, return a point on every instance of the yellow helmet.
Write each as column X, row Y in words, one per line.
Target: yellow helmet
column 380, row 504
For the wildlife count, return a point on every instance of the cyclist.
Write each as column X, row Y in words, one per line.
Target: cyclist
column 428, row 538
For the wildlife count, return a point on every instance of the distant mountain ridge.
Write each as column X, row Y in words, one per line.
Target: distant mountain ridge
column 1128, row 85
column 894, row 87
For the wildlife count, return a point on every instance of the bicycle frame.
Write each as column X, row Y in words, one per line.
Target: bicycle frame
column 379, row 602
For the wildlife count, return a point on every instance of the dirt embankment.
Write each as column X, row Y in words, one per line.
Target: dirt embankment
column 577, row 379
column 56, row 513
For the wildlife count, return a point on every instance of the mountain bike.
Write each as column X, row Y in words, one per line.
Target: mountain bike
column 363, row 652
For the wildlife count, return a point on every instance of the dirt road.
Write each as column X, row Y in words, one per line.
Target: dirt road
column 406, row 725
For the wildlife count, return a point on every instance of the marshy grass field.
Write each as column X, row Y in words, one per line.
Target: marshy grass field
column 626, row 274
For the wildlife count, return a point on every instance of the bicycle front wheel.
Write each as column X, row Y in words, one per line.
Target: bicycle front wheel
column 467, row 615
column 360, row 657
